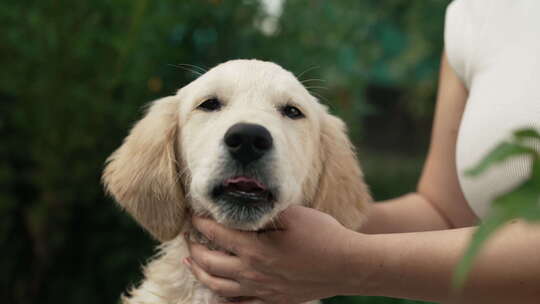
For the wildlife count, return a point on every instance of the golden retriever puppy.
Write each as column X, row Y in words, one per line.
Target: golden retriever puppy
column 239, row 144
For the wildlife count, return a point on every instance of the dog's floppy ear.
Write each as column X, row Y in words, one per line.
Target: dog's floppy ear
column 341, row 192
column 142, row 174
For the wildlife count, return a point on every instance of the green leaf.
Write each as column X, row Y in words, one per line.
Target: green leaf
column 519, row 203
column 522, row 202
column 526, row 134
column 480, row 236
column 502, row 152
column 535, row 174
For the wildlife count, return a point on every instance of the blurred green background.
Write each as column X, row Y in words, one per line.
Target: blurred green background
column 75, row 74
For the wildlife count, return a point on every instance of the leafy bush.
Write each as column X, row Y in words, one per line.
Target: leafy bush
column 75, row 75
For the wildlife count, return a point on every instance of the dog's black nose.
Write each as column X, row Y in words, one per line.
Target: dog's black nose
column 247, row 142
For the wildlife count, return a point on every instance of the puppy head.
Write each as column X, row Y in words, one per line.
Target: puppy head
column 240, row 144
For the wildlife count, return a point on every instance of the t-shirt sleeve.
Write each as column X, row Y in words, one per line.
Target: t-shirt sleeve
column 457, row 38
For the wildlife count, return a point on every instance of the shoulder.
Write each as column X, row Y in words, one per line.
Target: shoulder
column 463, row 28
column 470, row 8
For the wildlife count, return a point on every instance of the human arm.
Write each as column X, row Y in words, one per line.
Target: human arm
column 296, row 265
column 438, row 202
column 420, row 265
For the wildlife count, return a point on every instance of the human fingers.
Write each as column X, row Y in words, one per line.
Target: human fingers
column 228, row 239
column 215, row 262
column 220, row 286
column 291, row 218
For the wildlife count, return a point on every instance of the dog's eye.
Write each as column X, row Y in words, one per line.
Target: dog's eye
column 212, row 104
column 292, row 112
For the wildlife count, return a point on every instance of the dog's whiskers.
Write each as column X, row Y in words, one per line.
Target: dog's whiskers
column 196, row 70
column 312, row 80
column 199, row 68
column 316, row 94
column 316, row 87
column 307, row 70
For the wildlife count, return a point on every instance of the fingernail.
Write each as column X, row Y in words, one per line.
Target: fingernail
column 187, row 262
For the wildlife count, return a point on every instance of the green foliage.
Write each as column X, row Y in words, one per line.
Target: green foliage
column 75, row 75
column 521, row 203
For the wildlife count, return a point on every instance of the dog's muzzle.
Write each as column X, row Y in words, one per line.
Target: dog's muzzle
column 245, row 191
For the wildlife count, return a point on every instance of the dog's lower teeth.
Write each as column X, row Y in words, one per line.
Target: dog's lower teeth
column 250, row 194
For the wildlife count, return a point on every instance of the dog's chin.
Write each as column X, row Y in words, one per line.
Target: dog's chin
column 244, row 208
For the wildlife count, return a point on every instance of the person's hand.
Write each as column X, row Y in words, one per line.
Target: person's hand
column 305, row 259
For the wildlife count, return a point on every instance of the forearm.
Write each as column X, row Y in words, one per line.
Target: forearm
column 407, row 213
column 420, row 266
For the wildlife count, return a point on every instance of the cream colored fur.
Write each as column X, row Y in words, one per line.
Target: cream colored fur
column 168, row 160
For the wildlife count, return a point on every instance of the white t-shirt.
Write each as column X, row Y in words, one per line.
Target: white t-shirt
column 494, row 47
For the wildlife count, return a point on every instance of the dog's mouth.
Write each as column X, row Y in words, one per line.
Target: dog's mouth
column 242, row 201
column 243, row 190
